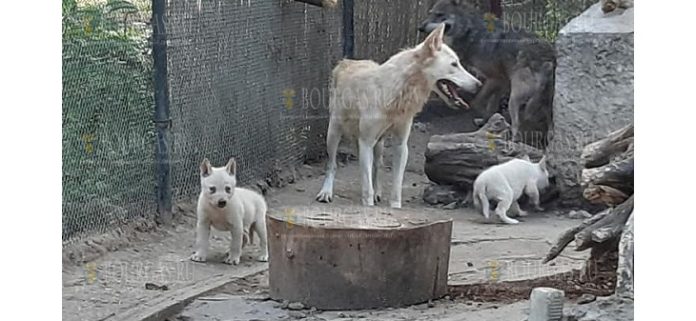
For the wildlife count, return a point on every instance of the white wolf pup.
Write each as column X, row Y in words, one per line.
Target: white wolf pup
column 228, row 208
column 506, row 182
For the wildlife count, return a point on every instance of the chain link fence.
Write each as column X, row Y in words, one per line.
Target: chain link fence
column 246, row 79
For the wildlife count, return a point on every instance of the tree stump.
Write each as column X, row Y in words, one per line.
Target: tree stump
column 335, row 258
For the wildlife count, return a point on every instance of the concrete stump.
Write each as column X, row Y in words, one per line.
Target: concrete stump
column 336, row 258
column 593, row 91
column 546, row 304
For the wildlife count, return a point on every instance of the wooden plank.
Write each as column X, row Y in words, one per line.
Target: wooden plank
column 169, row 304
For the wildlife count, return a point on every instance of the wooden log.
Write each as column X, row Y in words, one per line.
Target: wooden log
column 618, row 175
column 569, row 235
column 457, row 159
column 600, row 152
column 624, row 272
column 336, row 258
column 607, row 228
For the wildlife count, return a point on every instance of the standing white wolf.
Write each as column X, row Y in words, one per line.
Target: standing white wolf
column 228, row 208
column 506, row 182
column 369, row 101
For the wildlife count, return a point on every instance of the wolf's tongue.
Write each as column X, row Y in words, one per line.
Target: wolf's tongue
column 455, row 94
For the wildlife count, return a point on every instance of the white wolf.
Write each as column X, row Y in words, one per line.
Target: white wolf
column 228, row 208
column 370, row 100
column 506, row 182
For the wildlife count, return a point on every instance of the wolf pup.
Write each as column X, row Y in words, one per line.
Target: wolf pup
column 370, row 101
column 506, row 182
column 228, row 208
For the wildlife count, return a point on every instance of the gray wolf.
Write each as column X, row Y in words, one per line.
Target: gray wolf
column 514, row 63
column 226, row 207
column 370, row 100
column 506, row 182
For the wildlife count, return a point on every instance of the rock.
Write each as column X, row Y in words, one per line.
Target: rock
column 295, row 306
column 297, row 314
column 579, row 215
column 299, row 189
column 421, row 307
column 284, row 304
column 587, row 298
column 431, row 304
column 593, row 91
column 450, row 206
column 443, row 194
column 422, row 127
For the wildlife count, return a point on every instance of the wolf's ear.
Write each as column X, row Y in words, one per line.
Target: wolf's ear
column 434, row 40
column 206, row 169
column 231, row 166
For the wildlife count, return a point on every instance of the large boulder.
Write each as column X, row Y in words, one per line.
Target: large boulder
column 593, row 92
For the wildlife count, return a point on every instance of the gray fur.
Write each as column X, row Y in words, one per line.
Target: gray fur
column 514, row 63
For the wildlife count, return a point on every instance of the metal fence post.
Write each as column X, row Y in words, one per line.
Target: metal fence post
column 161, row 117
column 348, row 32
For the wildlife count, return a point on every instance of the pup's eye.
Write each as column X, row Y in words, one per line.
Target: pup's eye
column 228, row 189
column 454, row 64
column 212, row 189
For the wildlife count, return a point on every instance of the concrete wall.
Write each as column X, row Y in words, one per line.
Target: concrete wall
column 594, row 90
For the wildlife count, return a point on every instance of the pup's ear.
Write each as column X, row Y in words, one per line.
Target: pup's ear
column 434, row 40
column 231, row 166
column 456, row 2
column 206, row 169
column 542, row 162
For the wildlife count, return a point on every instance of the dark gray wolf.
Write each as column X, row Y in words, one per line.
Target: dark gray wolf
column 513, row 63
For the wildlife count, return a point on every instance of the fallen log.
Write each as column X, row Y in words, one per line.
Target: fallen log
column 457, row 159
column 600, row 152
column 607, row 228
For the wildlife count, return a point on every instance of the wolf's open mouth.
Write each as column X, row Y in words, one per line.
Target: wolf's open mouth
column 450, row 90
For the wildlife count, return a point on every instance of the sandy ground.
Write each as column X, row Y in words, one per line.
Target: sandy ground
column 115, row 284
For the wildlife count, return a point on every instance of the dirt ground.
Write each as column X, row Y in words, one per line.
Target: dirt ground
column 153, row 268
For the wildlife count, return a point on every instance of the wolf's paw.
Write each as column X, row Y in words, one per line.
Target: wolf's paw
column 538, row 208
column 508, row 220
column 523, row 213
column 231, row 260
column 395, row 204
column 197, row 257
column 262, row 258
column 325, row 196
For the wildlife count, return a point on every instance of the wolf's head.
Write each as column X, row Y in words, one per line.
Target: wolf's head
column 218, row 183
column 442, row 67
column 457, row 15
column 543, row 173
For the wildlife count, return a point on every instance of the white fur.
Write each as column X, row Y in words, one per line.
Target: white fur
column 506, row 182
column 243, row 212
column 370, row 100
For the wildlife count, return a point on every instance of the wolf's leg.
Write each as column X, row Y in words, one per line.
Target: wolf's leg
column 202, row 239
column 533, row 192
column 260, row 228
column 522, row 87
column 235, row 252
column 379, row 162
column 399, row 161
column 333, row 138
column 515, row 207
column 366, row 146
column 485, row 205
column 504, row 204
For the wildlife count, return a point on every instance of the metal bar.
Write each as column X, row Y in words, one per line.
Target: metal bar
column 348, row 30
column 161, row 117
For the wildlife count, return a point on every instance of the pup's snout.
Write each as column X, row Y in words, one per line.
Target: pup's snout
column 221, row 203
